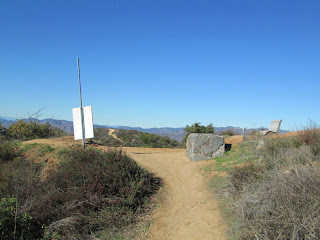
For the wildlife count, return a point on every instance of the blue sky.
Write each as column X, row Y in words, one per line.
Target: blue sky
column 164, row 63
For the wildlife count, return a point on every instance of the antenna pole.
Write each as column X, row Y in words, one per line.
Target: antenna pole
column 81, row 109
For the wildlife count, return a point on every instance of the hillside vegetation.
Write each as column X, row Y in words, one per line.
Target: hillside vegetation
column 82, row 194
column 132, row 138
column 26, row 130
column 272, row 187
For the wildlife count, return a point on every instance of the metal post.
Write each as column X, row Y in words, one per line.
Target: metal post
column 81, row 109
column 244, row 134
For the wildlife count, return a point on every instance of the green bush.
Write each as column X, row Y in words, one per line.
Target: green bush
column 3, row 130
column 109, row 141
column 23, row 130
column 101, row 132
column 9, row 150
column 155, row 141
column 15, row 224
column 132, row 138
column 196, row 128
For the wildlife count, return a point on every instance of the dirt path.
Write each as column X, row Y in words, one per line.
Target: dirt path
column 113, row 134
column 189, row 210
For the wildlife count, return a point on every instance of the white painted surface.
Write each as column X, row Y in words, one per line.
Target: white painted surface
column 275, row 125
column 88, row 123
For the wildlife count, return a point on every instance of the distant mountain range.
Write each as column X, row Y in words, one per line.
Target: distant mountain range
column 173, row 133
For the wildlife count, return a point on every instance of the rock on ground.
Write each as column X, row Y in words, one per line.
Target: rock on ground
column 204, row 146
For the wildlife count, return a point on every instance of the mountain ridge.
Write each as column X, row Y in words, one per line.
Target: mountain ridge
column 173, row 133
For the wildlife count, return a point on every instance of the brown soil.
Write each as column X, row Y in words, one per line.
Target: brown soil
column 59, row 142
column 187, row 209
column 233, row 139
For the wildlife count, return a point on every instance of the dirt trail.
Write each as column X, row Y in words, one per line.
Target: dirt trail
column 113, row 134
column 187, row 210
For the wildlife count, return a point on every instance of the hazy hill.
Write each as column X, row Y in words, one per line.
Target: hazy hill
column 6, row 122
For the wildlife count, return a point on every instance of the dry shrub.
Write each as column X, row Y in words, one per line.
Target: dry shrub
column 90, row 192
column 271, row 146
column 228, row 132
column 249, row 173
column 90, row 185
column 286, row 206
column 311, row 136
column 19, row 178
column 274, row 151
column 276, row 195
column 288, row 156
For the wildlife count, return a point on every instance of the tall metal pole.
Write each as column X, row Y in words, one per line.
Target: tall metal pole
column 81, row 109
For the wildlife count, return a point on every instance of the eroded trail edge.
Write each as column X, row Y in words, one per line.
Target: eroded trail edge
column 189, row 210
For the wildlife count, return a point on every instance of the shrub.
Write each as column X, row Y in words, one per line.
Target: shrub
column 23, row 130
column 89, row 192
column 247, row 174
column 132, row 138
column 101, row 132
column 275, row 192
column 196, row 128
column 228, row 132
column 9, row 150
column 20, row 178
column 155, row 141
column 2, row 130
column 272, row 145
column 15, row 224
column 311, row 136
column 286, row 206
column 109, row 141
column 273, row 150
column 88, row 183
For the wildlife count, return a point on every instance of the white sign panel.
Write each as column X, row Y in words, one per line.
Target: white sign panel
column 88, row 125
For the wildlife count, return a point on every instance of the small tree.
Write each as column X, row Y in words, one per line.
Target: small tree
column 196, row 128
column 13, row 223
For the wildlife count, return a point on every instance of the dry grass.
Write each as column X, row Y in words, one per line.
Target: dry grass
column 285, row 206
column 275, row 193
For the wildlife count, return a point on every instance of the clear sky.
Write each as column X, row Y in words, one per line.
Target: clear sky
column 165, row 63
